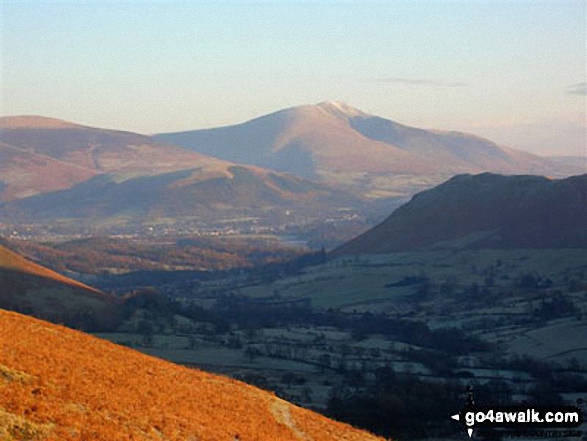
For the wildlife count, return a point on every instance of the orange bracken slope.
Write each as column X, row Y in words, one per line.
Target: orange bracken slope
column 9, row 260
column 60, row 384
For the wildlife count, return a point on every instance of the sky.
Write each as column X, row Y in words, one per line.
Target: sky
column 510, row 70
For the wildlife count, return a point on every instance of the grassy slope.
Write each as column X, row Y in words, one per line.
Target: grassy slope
column 483, row 211
column 56, row 383
column 9, row 260
column 32, row 289
column 359, row 283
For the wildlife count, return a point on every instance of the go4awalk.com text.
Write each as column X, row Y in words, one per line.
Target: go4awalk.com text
column 519, row 417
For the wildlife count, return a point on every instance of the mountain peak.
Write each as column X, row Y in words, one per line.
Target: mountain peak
column 340, row 109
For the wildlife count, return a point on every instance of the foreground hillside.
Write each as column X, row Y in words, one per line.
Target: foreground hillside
column 56, row 383
column 33, row 289
column 484, row 211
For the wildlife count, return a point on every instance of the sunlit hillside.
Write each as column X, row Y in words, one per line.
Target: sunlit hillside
column 35, row 290
column 334, row 142
column 60, row 384
column 9, row 260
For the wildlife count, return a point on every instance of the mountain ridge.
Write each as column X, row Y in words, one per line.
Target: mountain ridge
column 347, row 157
column 484, row 211
column 74, row 171
column 35, row 121
column 331, row 141
column 198, row 193
column 49, row 156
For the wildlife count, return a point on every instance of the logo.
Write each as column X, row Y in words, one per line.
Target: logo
column 518, row 417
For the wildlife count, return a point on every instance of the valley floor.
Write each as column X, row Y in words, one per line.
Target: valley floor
column 510, row 323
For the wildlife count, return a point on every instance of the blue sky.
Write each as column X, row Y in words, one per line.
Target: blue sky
column 512, row 70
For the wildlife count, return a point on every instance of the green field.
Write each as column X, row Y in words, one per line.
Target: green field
column 360, row 282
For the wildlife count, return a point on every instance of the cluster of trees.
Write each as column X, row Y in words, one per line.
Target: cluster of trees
column 399, row 405
column 173, row 282
column 250, row 313
column 98, row 255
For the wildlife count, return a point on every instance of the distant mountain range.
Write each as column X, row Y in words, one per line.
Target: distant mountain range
column 33, row 289
column 310, row 160
column 573, row 161
column 53, row 169
column 484, row 211
column 333, row 142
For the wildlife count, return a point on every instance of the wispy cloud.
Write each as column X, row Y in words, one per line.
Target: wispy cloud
column 577, row 89
column 418, row 82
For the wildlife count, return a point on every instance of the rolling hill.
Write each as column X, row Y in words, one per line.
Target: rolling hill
column 57, row 170
column 30, row 140
column 56, row 383
column 33, row 289
column 232, row 192
column 484, row 211
column 53, row 169
column 25, row 173
column 334, row 142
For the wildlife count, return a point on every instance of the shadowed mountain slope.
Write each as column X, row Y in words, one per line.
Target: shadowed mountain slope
column 33, row 289
column 56, row 383
column 484, row 211
column 205, row 194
